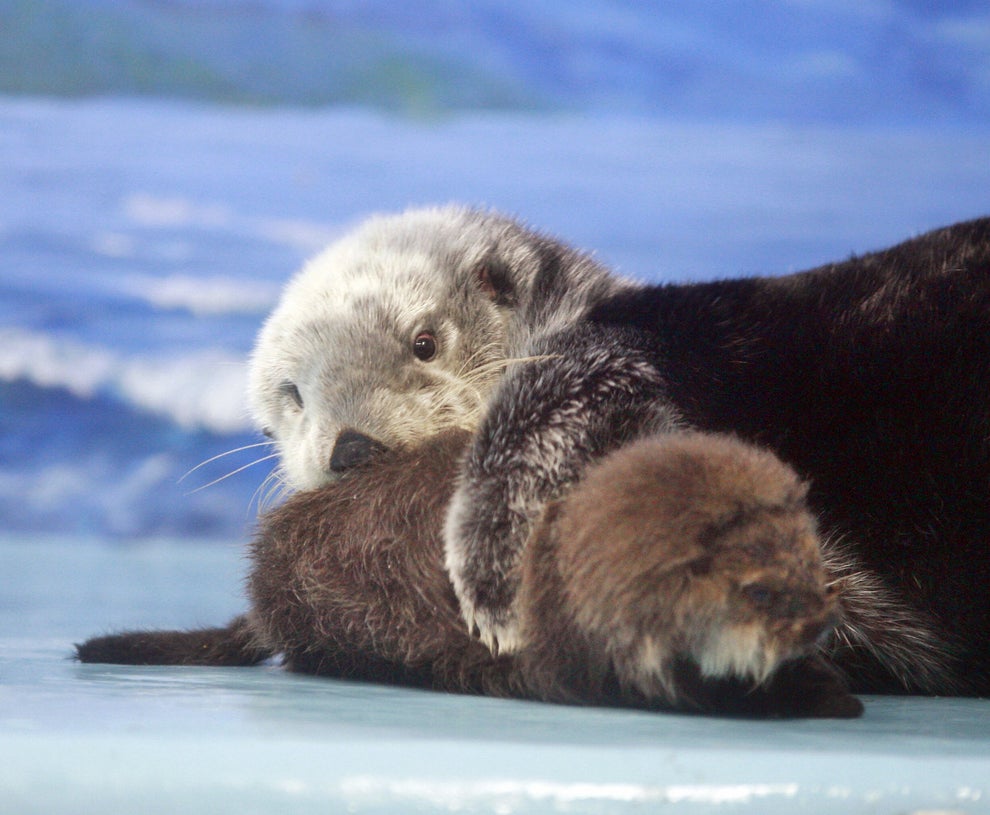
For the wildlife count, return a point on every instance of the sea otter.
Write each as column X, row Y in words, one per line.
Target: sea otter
column 402, row 329
column 683, row 572
column 870, row 378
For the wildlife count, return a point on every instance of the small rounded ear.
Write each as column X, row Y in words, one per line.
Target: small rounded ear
column 494, row 281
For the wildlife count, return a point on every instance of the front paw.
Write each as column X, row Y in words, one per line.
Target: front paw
column 496, row 625
column 498, row 629
column 483, row 573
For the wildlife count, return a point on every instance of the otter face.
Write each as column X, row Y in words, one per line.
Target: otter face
column 394, row 333
column 692, row 547
column 770, row 601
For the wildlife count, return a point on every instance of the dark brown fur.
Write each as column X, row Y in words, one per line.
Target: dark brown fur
column 348, row 581
column 871, row 378
column 234, row 645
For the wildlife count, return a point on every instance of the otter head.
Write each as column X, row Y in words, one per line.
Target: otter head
column 397, row 331
column 692, row 547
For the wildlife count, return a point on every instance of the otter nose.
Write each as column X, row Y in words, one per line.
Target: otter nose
column 353, row 449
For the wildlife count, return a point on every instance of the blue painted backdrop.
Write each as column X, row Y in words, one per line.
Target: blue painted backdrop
column 165, row 166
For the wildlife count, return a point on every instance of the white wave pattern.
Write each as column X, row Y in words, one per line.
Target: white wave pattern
column 205, row 296
column 175, row 212
column 50, row 488
column 202, row 390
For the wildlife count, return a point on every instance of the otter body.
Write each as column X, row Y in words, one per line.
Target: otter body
column 868, row 379
column 348, row 581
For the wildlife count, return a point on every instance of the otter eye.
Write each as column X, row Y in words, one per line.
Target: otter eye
column 761, row 596
column 425, row 346
column 290, row 390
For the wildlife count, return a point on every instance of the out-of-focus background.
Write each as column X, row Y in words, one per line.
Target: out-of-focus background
column 165, row 165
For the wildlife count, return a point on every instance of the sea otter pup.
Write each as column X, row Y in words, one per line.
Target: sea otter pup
column 683, row 572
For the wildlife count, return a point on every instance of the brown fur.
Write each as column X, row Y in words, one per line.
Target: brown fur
column 348, row 579
column 627, row 581
column 685, row 546
column 231, row 646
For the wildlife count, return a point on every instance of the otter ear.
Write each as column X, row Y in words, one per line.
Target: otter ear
column 494, row 281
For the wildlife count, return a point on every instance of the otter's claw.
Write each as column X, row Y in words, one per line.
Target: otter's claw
column 498, row 637
column 480, row 566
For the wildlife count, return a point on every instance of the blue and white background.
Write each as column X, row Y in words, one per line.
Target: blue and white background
column 165, row 166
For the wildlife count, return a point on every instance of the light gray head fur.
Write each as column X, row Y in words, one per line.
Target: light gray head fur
column 338, row 352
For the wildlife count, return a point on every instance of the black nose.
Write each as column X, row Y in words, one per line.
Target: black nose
column 353, row 449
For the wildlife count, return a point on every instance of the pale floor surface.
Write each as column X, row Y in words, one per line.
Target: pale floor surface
column 102, row 739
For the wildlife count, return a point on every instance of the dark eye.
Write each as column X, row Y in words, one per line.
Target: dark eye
column 290, row 390
column 759, row 595
column 425, row 346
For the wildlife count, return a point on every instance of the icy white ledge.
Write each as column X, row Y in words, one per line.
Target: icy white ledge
column 101, row 739
column 107, row 739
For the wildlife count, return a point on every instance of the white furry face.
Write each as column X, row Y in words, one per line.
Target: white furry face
column 395, row 332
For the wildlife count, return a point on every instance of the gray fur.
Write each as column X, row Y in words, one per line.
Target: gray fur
column 336, row 355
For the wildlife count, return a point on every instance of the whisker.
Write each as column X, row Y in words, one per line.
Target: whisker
column 234, row 472
column 276, row 492
column 534, row 358
column 489, row 350
column 223, row 455
column 496, row 365
column 268, row 491
column 255, row 499
column 483, row 378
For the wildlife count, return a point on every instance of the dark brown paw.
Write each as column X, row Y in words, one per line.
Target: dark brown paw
column 803, row 688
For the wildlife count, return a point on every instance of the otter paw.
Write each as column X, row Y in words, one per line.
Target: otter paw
column 481, row 568
column 500, row 633
column 496, row 625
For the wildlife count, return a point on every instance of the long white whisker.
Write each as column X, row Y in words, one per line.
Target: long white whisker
column 471, row 364
column 495, row 365
column 234, row 472
column 268, row 488
column 276, row 492
column 255, row 496
column 223, row 455
column 491, row 349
